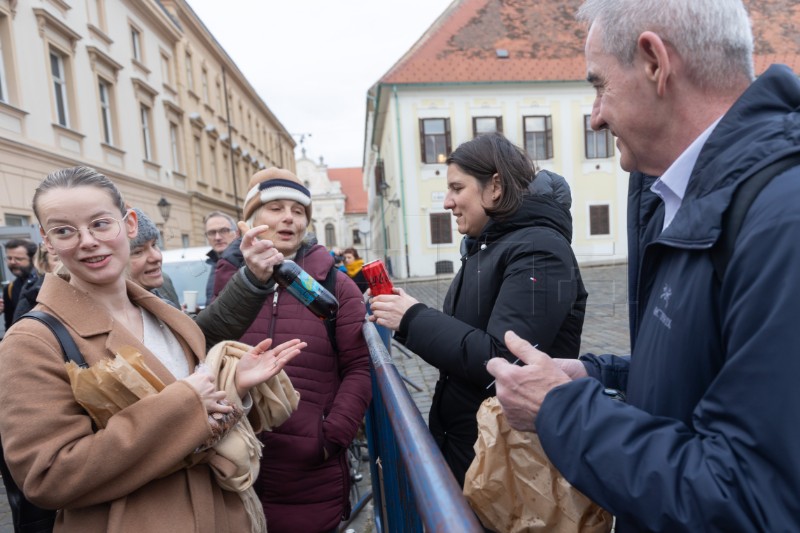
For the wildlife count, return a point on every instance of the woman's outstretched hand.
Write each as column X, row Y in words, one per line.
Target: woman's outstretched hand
column 262, row 363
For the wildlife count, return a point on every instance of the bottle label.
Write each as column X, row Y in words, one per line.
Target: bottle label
column 304, row 288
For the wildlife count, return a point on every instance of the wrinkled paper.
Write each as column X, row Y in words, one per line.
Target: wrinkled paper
column 514, row 488
column 111, row 385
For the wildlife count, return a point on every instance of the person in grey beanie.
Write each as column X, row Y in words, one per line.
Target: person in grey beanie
column 145, row 261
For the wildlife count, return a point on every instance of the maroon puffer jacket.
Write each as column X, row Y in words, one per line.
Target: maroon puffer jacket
column 300, row 490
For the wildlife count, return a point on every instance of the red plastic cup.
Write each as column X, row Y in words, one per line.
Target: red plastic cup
column 377, row 278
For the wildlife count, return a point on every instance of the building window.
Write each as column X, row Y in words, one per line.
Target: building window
column 434, row 139
column 175, row 147
column 486, row 125
column 166, row 69
column 184, row 240
column 189, row 72
column 330, row 235
column 97, row 13
column 443, row 267
column 441, row 230
column 204, row 82
column 212, row 159
column 198, row 158
column 105, row 111
column 136, row 44
column 356, row 237
column 219, row 98
column 144, row 112
column 59, row 88
column 599, row 144
column 225, row 167
column 17, row 220
column 599, row 221
column 539, row 137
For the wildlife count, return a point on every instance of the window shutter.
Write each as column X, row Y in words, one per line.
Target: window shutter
column 380, row 177
column 448, row 145
column 423, row 158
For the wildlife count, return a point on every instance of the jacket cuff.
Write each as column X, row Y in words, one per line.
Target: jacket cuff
column 405, row 322
column 254, row 284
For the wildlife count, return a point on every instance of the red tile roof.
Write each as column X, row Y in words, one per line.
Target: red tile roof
column 544, row 42
column 353, row 188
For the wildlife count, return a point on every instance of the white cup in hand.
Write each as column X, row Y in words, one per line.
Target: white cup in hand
column 190, row 300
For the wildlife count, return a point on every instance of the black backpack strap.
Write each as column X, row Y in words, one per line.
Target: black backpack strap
column 743, row 198
column 68, row 346
column 330, row 324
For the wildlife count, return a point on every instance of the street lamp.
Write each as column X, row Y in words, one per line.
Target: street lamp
column 164, row 207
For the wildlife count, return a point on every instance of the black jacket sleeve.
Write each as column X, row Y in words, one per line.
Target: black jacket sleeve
column 533, row 301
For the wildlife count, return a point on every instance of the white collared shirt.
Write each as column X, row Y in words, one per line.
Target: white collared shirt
column 671, row 186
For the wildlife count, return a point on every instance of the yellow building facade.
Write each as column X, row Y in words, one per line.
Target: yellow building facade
column 139, row 90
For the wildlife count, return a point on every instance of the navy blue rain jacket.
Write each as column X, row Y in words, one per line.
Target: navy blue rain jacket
column 707, row 440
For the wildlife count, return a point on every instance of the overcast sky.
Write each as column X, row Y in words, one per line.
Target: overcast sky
column 312, row 61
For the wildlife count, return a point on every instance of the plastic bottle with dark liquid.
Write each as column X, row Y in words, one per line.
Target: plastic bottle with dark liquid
column 306, row 289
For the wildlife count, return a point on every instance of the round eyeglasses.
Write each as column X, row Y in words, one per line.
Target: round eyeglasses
column 103, row 229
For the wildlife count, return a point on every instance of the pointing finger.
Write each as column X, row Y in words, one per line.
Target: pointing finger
column 527, row 353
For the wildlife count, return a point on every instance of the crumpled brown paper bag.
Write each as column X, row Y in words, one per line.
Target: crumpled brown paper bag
column 111, row 385
column 514, row 488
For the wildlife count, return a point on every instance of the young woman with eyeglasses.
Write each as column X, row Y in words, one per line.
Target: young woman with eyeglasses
column 141, row 472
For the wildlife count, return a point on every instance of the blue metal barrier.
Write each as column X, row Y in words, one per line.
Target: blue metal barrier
column 411, row 483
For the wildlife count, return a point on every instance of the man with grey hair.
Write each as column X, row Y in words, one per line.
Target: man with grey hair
column 220, row 230
column 697, row 429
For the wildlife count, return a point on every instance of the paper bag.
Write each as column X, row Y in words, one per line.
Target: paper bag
column 111, row 385
column 514, row 488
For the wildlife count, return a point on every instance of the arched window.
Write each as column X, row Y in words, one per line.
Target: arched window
column 330, row 235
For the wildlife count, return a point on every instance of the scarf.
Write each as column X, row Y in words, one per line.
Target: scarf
column 354, row 267
column 240, row 450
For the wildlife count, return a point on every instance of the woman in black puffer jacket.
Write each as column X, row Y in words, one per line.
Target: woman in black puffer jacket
column 518, row 272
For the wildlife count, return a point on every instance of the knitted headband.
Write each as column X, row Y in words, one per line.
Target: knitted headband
column 147, row 230
column 275, row 184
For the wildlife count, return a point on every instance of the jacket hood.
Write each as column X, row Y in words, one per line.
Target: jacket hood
column 553, row 186
column 545, row 204
column 732, row 155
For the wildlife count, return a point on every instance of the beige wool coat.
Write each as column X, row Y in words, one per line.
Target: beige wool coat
column 139, row 474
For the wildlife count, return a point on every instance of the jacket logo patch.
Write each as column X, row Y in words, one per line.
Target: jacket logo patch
column 666, row 294
column 662, row 316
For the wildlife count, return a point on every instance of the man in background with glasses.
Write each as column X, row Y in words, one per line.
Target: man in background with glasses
column 220, row 231
column 19, row 258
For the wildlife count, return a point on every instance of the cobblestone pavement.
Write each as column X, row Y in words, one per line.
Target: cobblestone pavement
column 605, row 330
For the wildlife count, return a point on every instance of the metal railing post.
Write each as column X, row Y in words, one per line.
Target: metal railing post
column 414, row 486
